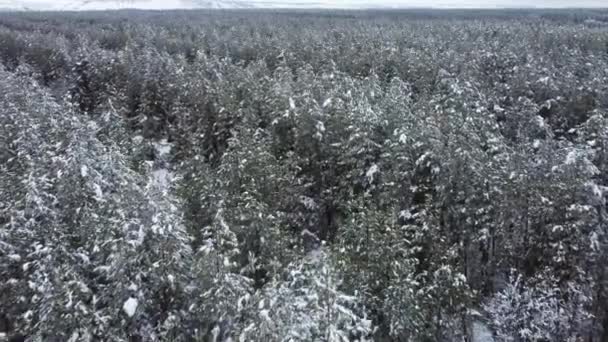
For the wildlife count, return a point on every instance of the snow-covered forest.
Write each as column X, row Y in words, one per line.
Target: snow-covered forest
column 329, row 176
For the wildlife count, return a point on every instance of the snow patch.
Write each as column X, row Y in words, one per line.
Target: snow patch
column 84, row 170
column 544, row 80
column 371, row 173
column 215, row 333
column 85, row 259
column 14, row 257
column 307, row 232
column 423, row 158
column 403, row 138
column 320, row 126
column 481, row 332
column 540, row 121
column 596, row 193
column 98, row 192
column 405, row 215
column 292, row 104
column 138, row 139
column 571, row 157
column 595, row 190
column 130, row 306
column 308, row 203
column 265, row 315
column 161, row 178
column 162, row 148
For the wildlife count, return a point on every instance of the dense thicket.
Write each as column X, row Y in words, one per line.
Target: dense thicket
column 304, row 176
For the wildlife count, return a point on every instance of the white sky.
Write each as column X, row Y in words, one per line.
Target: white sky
column 159, row 4
column 489, row 3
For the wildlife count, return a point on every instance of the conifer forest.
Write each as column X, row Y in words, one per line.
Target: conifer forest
column 304, row 175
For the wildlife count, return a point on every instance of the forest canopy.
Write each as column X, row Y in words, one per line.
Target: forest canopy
column 304, row 176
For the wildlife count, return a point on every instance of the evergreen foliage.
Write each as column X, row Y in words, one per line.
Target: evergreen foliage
column 304, row 176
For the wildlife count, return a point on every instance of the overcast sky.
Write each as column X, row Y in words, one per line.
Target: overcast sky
column 492, row 3
column 58, row 4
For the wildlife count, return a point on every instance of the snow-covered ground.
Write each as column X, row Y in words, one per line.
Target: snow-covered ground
column 162, row 178
column 84, row 5
column 88, row 5
column 481, row 332
column 161, row 174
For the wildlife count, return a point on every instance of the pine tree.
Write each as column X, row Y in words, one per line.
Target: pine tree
column 87, row 219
